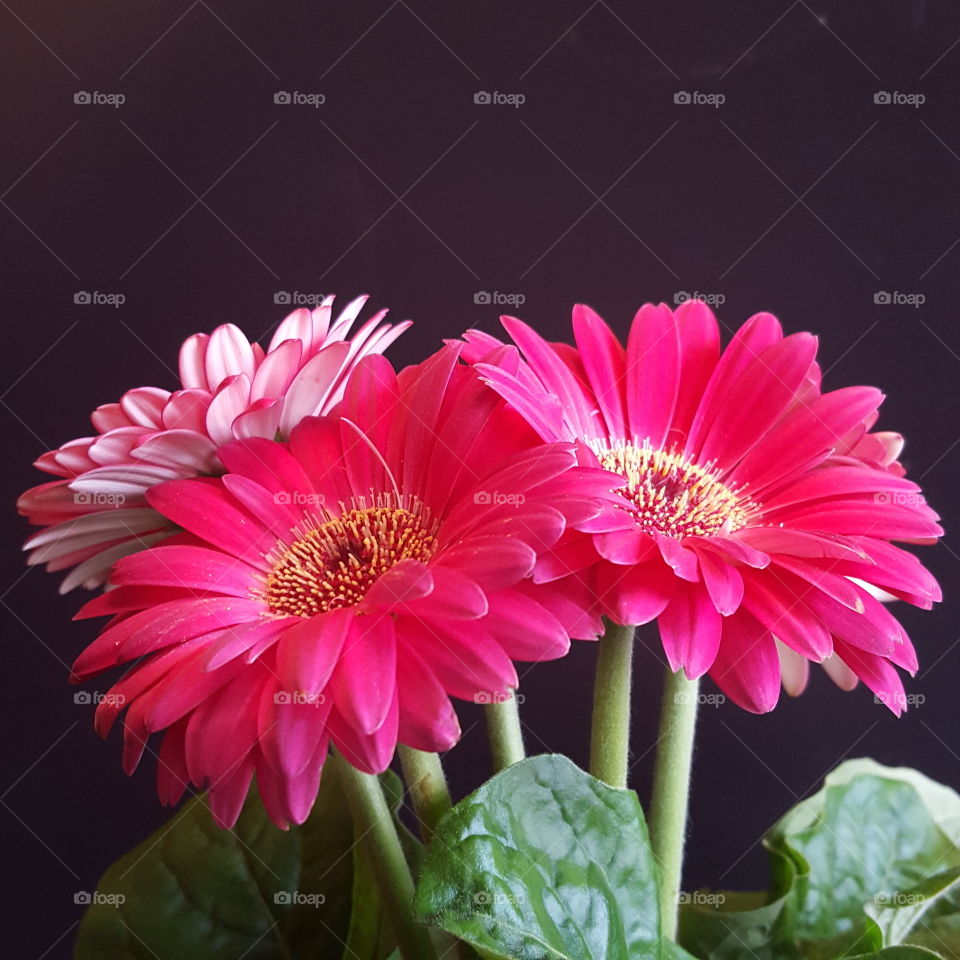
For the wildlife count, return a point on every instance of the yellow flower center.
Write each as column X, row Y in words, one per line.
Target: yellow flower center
column 671, row 495
column 334, row 562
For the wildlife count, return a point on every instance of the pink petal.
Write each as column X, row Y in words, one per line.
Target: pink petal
column 205, row 509
column 690, row 629
column 365, row 679
column 699, row 352
column 184, row 566
column 228, row 354
column 635, row 595
column 653, row 373
column 604, row 361
column 309, row 650
column 747, row 668
column 312, row 385
column 491, row 562
column 724, row 584
column 758, row 333
column 193, row 372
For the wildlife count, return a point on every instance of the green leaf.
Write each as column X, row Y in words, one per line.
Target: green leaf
column 197, row 892
column 729, row 925
column 868, row 863
column 867, row 838
column 544, row 861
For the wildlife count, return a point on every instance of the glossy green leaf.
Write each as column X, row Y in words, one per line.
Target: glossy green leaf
column 863, row 841
column 729, row 925
column 194, row 891
column 544, row 861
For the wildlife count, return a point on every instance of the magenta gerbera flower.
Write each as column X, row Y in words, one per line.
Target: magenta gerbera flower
column 341, row 587
column 761, row 511
column 231, row 388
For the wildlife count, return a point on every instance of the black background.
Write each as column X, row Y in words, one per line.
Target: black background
column 200, row 198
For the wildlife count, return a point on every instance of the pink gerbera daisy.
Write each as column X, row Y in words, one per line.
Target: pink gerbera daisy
column 231, row 388
column 761, row 510
column 341, row 587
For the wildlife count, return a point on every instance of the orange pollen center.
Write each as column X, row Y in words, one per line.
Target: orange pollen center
column 672, row 496
column 335, row 561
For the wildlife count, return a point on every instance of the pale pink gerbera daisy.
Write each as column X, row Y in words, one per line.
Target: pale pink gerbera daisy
column 760, row 507
column 342, row 587
column 231, row 388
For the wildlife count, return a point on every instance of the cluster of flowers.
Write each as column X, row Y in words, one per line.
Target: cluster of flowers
column 302, row 546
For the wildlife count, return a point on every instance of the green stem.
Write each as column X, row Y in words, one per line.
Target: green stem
column 427, row 783
column 671, row 790
column 610, row 734
column 505, row 733
column 375, row 825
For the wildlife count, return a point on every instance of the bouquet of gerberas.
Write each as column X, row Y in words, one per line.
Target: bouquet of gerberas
column 306, row 554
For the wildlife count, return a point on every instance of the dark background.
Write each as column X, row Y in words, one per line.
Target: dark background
column 200, row 198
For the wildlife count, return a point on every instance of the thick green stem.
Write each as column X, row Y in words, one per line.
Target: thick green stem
column 610, row 735
column 671, row 790
column 428, row 788
column 374, row 824
column 505, row 733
